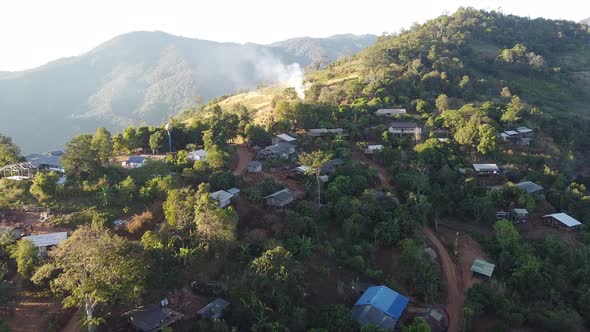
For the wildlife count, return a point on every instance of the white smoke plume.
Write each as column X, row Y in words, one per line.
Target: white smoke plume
column 271, row 69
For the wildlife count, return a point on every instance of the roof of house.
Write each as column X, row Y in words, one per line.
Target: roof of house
column 282, row 195
column 198, row 153
column 318, row 130
column 564, row 219
column 52, row 158
column 286, row 137
column 524, row 130
column 521, row 211
column 405, row 125
column 430, row 252
column 301, row 169
column 233, row 191
column 46, row 240
column 135, row 160
column 385, row 299
column 254, row 163
column 221, row 195
column 510, row 132
column 153, row 317
column 214, row 310
column 375, row 147
column 383, row 111
column 483, row 267
column 529, row 187
column 279, row 148
column 485, row 167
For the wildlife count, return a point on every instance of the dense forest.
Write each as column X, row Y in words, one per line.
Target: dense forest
column 359, row 216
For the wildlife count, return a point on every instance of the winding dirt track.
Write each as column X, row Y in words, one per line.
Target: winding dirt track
column 454, row 282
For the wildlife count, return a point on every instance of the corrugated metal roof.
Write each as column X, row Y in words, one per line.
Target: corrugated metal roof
column 375, row 147
column 282, row 195
column 233, row 191
column 511, row 132
column 405, row 125
column 214, row 310
column 524, row 130
column 46, row 240
column 286, row 137
column 221, row 195
column 483, row 267
column 564, row 219
column 392, row 111
column 486, row 167
column 521, row 211
column 135, row 160
column 529, row 187
column 385, row 299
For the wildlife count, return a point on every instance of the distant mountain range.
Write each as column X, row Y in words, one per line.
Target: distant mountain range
column 145, row 77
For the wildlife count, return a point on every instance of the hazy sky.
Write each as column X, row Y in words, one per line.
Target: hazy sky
column 35, row 32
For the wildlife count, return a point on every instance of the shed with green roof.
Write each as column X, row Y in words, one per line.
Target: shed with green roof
column 482, row 268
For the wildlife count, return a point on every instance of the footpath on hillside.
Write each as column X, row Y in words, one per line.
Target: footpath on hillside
column 457, row 273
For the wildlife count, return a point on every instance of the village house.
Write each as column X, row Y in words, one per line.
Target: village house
column 486, row 169
column 482, row 269
column 222, row 197
column 235, row 192
column 197, row 155
column 405, row 128
column 323, row 131
column 214, row 310
column 45, row 241
column 522, row 136
column 380, row 306
column 371, row 149
column 134, row 162
column 331, row 165
column 280, row 198
column 254, row 167
column 152, row 318
column 520, row 215
column 435, row 318
column 283, row 138
column 562, row 221
column 531, row 188
column 50, row 161
column 280, row 150
column 390, row 112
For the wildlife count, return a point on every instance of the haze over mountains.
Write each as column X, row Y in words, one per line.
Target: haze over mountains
column 145, row 77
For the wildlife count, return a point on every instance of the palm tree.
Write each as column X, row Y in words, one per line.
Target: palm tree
column 315, row 161
column 105, row 194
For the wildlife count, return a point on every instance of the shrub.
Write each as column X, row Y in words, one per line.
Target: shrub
column 140, row 222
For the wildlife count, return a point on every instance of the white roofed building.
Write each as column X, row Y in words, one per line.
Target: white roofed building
column 486, row 169
column 283, row 138
column 45, row 241
column 390, row 112
column 197, row 155
column 562, row 220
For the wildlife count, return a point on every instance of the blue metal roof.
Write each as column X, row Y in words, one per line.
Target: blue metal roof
column 135, row 159
column 385, row 299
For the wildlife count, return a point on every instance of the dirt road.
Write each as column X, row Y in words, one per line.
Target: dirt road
column 244, row 157
column 384, row 177
column 454, row 282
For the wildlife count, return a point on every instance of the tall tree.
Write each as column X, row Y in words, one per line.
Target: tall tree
column 179, row 208
column 9, row 152
column 26, row 256
column 44, row 185
column 96, row 268
column 214, row 224
column 488, row 139
column 102, row 143
column 315, row 161
column 81, row 160
column 157, row 141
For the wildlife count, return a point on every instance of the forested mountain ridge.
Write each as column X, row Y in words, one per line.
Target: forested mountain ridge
column 143, row 77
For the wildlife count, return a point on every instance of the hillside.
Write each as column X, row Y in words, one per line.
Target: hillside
column 144, row 77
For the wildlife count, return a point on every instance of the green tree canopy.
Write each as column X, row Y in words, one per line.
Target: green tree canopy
column 9, row 152
column 80, row 159
column 96, row 268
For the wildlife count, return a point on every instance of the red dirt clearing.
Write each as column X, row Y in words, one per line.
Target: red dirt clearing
column 384, row 176
column 244, row 157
